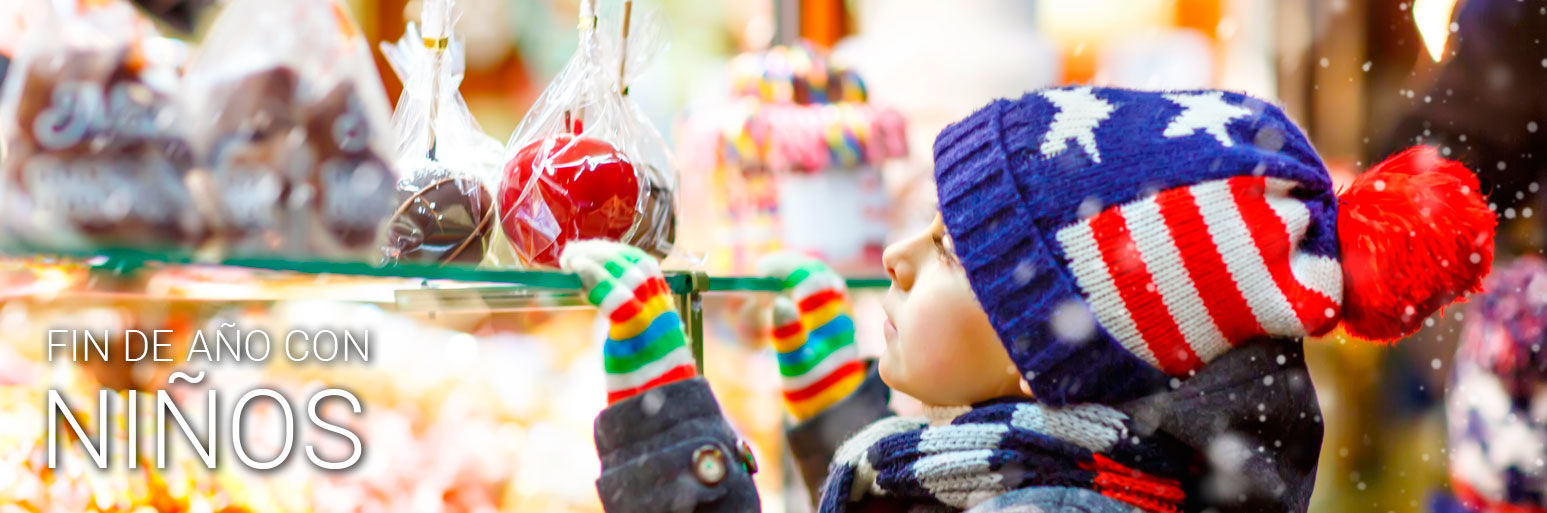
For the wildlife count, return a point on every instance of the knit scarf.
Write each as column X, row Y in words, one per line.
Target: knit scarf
column 992, row 449
column 1468, row 500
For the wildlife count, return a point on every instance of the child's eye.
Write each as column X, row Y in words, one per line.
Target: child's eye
column 943, row 247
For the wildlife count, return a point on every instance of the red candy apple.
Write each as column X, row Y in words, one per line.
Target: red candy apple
column 584, row 189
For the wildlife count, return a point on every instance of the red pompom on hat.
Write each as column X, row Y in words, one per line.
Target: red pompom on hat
column 1415, row 234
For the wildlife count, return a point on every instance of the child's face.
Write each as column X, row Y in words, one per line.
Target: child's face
column 940, row 347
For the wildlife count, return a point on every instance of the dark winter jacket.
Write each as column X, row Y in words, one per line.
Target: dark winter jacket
column 1250, row 416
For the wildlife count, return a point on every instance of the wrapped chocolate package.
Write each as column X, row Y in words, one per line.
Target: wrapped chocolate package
column 445, row 212
column 95, row 157
column 585, row 163
column 290, row 121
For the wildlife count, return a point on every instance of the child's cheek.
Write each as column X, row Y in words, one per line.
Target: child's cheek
column 946, row 365
column 933, row 352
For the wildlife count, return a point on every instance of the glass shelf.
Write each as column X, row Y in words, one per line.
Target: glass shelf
column 127, row 261
column 409, row 287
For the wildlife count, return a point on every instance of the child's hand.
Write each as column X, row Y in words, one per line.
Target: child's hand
column 645, row 346
column 813, row 334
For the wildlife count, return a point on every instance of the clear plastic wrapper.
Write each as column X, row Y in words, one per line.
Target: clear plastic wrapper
column 289, row 116
column 585, row 163
column 94, row 154
column 446, row 212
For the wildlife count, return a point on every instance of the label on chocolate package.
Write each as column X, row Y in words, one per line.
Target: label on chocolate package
column 103, row 190
column 78, row 111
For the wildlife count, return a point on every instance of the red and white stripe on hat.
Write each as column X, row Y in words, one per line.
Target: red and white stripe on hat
column 1180, row 277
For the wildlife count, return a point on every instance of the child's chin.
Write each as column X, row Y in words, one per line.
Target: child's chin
column 897, row 378
column 891, row 372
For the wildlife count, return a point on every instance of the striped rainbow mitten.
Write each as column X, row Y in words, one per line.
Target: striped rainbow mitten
column 645, row 345
column 813, row 334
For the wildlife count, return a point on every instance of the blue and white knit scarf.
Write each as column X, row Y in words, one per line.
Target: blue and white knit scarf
column 990, row 450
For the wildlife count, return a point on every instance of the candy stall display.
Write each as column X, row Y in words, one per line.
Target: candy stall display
column 797, row 152
column 256, row 179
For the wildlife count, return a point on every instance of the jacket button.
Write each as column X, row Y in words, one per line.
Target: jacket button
column 709, row 465
column 746, row 456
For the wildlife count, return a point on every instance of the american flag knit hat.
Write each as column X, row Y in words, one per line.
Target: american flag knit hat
column 1119, row 240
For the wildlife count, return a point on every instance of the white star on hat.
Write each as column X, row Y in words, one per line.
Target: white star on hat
column 1079, row 112
column 1204, row 111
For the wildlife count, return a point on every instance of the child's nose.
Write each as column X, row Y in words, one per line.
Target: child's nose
column 899, row 266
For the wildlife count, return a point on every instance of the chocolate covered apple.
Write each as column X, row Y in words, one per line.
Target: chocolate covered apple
column 444, row 217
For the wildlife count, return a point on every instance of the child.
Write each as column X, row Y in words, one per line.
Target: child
column 1498, row 429
column 1106, row 316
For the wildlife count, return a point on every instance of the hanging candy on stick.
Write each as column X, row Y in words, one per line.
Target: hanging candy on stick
column 586, row 164
column 446, row 212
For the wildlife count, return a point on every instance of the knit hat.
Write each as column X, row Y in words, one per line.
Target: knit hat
column 1498, row 430
column 1120, row 240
